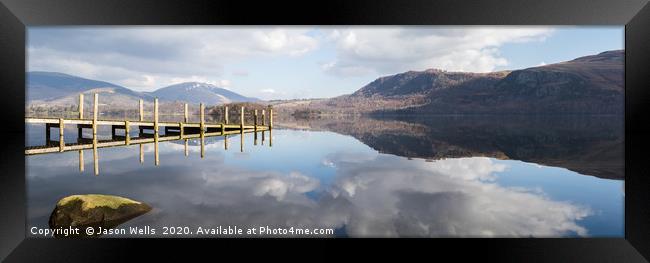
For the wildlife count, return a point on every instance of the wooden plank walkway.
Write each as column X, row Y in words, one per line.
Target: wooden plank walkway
column 84, row 122
column 179, row 130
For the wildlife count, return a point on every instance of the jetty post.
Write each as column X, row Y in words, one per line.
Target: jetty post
column 186, row 119
column 255, row 120
column 95, row 113
column 141, row 113
column 270, row 118
column 186, row 114
column 61, row 140
column 155, row 130
column 127, row 130
column 255, row 128
column 202, row 145
column 225, row 116
column 225, row 120
column 81, row 161
column 263, row 124
column 95, row 156
column 81, row 106
column 202, row 116
column 47, row 133
column 140, row 116
column 155, row 148
column 241, row 128
column 181, row 129
column 241, row 142
column 241, row 119
column 155, row 116
column 141, row 154
column 95, row 109
column 141, row 110
column 80, row 131
column 81, row 115
column 202, row 125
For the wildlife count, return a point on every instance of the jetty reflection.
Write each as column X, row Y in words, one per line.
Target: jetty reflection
column 51, row 146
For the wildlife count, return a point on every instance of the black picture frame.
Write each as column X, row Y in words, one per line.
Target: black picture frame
column 16, row 15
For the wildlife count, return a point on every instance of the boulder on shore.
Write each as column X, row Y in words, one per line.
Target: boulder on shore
column 95, row 210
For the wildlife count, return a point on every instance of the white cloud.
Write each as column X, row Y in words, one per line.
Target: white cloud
column 390, row 50
column 142, row 56
column 283, row 40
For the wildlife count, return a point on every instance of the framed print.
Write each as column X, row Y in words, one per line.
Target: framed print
column 512, row 128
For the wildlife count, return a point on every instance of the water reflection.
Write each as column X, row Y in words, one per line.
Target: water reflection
column 315, row 178
column 454, row 197
column 591, row 145
column 126, row 140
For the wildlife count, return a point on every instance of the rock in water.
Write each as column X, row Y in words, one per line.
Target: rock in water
column 94, row 210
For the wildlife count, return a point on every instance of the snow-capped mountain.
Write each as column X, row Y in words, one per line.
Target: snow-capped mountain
column 196, row 92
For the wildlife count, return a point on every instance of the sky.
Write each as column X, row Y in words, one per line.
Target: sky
column 295, row 62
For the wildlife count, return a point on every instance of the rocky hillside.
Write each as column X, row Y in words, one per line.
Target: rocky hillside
column 586, row 85
column 426, row 82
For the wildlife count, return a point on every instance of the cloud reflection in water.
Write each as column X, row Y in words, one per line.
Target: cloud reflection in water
column 452, row 197
column 372, row 195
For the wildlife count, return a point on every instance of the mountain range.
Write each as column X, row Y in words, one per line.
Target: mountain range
column 58, row 89
column 586, row 85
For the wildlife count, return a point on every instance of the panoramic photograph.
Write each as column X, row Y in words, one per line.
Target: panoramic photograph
column 324, row 131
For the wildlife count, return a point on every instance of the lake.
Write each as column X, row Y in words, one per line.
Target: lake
column 400, row 176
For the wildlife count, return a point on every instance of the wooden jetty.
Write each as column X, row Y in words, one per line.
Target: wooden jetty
column 183, row 130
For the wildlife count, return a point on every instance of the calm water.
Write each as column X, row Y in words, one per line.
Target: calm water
column 433, row 176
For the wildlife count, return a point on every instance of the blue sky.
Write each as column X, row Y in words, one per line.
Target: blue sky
column 300, row 62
